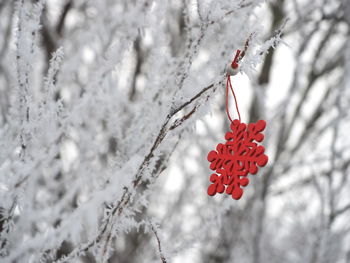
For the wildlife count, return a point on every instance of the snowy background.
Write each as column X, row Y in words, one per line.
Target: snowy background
column 108, row 110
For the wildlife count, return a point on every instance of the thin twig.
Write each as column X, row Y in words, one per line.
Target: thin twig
column 162, row 258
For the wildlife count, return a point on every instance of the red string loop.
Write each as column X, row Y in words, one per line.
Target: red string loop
column 234, row 65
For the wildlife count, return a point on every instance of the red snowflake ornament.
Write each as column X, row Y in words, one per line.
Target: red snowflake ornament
column 240, row 155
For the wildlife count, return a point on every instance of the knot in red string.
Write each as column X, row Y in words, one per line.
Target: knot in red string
column 234, row 63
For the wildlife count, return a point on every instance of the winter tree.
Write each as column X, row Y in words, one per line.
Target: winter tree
column 108, row 110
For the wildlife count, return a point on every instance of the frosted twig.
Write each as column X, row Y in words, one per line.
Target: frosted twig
column 162, row 258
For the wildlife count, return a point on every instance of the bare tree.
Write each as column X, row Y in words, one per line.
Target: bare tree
column 105, row 130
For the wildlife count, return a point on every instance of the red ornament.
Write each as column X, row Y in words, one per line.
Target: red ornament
column 236, row 158
column 240, row 155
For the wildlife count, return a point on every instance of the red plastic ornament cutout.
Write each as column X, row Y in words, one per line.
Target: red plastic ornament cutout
column 240, row 155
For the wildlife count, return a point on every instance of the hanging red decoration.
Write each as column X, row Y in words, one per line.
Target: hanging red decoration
column 241, row 154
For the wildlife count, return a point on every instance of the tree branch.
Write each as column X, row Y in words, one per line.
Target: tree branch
column 162, row 258
column 117, row 209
